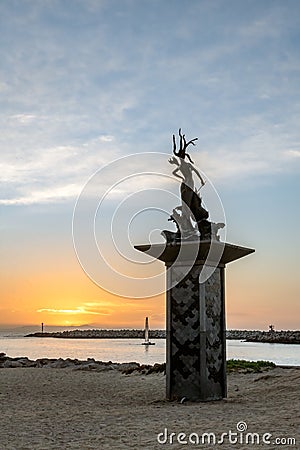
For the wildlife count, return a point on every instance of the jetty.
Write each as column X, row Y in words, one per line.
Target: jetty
column 275, row 337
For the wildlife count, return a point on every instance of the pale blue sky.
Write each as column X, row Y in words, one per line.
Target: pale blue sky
column 83, row 82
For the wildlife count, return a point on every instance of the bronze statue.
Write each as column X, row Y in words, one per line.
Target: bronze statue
column 191, row 209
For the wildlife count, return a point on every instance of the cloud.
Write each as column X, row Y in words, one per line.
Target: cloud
column 258, row 29
column 59, row 174
column 80, row 95
column 23, row 118
column 249, row 147
column 78, row 310
column 57, row 194
column 106, row 138
column 293, row 153
column 53, row 174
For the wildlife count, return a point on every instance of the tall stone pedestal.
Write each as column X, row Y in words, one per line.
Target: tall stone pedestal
column 196, row 340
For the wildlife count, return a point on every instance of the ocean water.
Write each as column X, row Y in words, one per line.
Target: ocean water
column 127, row 350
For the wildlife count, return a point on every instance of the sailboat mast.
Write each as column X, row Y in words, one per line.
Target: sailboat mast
column 146, row 330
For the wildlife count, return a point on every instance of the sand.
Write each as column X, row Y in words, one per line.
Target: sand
column 67, row 409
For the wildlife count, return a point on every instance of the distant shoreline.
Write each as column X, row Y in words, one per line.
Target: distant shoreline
column 273, row 337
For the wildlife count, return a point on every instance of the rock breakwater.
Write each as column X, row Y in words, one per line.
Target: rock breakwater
column 272, row 337
column 276, row 337
column 89, row 364
column 102, row 334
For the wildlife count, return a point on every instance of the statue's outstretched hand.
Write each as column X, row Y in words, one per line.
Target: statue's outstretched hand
column 173, row 161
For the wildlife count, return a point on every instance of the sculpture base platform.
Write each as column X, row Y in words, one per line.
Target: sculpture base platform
column 196, row 340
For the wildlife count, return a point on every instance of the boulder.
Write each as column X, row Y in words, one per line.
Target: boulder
column 26, row 362
column 90, row 366
column 128, row 366
column 61, row 364
column 43, row 362
column 10, row 364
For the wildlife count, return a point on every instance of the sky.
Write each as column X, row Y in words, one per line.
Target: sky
column 87, row 82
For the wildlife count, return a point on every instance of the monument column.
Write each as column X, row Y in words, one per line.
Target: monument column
column 196, row 331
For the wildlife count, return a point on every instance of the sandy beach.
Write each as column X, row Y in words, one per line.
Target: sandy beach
column 67, row 409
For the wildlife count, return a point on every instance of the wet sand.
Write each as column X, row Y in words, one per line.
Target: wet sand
column 67, row 409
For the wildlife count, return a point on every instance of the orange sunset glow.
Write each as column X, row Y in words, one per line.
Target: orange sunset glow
column 63, row 295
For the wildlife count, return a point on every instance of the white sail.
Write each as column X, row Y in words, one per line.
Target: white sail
column 146, row 331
